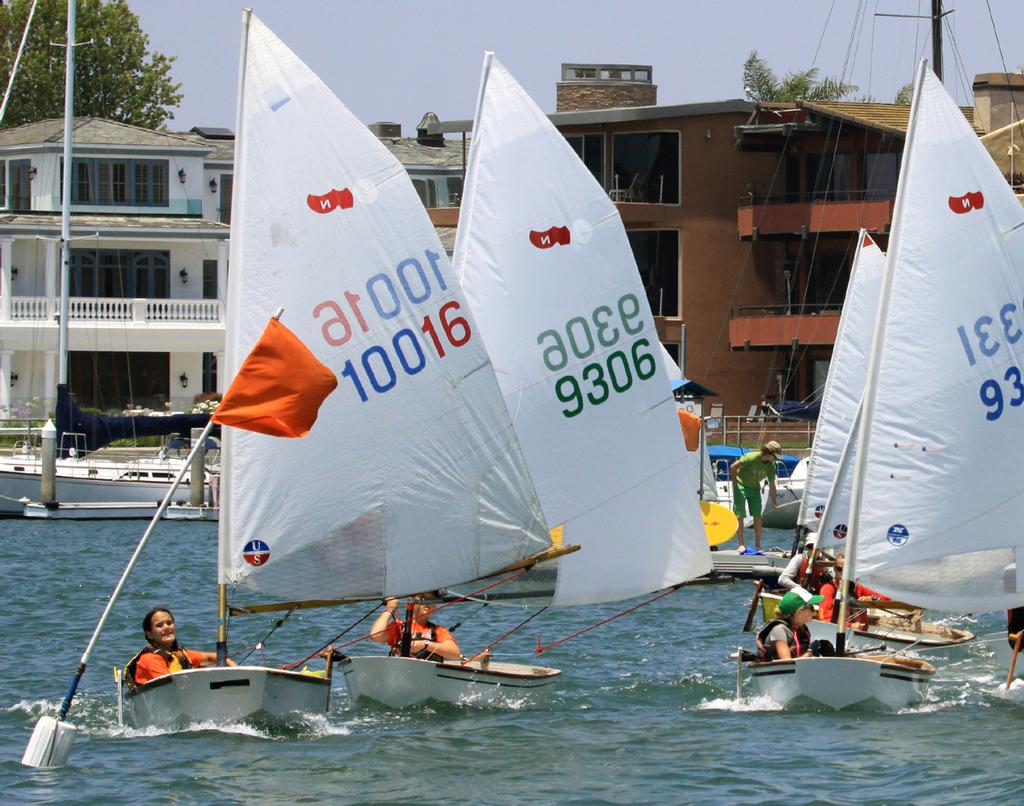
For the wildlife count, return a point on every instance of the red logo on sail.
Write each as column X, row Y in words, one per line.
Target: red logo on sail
column 551, row 237
column 330, row 201
column 256, row 552
column 967, row 202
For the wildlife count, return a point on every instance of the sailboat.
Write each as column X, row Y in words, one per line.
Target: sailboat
column 938, row 412
column 543, row 258
column 412, row 478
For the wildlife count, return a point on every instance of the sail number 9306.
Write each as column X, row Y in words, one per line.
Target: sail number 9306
column 581, row 337
column 993, row 398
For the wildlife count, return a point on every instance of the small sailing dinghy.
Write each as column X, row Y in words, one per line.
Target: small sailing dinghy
column 412, row 478
column 546, row 267
column 942, row 398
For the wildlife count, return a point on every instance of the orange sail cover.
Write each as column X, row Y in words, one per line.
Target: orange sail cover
column 278, row 389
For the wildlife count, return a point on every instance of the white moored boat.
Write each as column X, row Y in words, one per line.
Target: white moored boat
column 399, row 682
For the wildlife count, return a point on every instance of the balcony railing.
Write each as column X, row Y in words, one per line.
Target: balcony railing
column 784, row 310
column 113, row 309
column 801, row 197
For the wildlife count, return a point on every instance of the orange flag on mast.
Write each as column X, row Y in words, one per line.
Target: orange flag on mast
column 279, row 387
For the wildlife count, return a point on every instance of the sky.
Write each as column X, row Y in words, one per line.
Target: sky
column 394, row 60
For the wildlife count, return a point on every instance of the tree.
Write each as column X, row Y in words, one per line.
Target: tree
column 905, row 94
column 116, row 77
column 761, row 84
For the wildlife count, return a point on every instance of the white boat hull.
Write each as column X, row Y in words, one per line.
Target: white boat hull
column 399, row 682
column 837, row 683
column 227, row 694
column 16, row 486
column 785, row 514
column 748, row 566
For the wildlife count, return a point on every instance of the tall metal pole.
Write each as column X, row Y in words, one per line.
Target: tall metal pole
column 65, row 194
column 937, row 38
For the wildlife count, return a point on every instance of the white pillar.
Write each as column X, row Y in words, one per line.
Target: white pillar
column 5, row 381
column 222, row 269
column 51, row 272
column 221, row 369
column 6, row 261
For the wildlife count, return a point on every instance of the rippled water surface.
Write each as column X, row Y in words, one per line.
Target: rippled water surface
column 645, row 712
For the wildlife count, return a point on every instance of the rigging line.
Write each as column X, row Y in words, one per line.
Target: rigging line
column 324, row 646
column 501, row 638
column 959, row 67
column 262, row 642
column 821, row 38
column 1002, row 59
column 541, row 649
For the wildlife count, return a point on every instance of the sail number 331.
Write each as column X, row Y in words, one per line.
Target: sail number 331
column 581, row 337
column 988, row 336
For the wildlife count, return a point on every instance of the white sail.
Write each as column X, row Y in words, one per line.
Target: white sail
column 547, row 268
column 942, row 494
column 840, row 399
column 411, row 478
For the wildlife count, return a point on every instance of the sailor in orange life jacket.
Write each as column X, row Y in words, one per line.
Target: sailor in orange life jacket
column 429, row 641
column 164, row 655
column 829, row 590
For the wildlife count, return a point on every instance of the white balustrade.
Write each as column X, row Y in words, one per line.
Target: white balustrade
column 114, row 309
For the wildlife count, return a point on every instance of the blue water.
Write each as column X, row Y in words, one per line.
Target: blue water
column 645, row 711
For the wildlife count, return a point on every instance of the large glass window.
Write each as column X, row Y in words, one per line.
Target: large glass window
column 590, row 149
column 657, row 257
column 646, row 167
column 881, row 172
column 226, row 183
column 209, row 372
column 3, row 183
column 141, row 183
column 120, row 274
column 439, row 191
column 828, row 177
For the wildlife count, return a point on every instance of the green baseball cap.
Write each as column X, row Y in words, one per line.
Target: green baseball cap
column 793, row 601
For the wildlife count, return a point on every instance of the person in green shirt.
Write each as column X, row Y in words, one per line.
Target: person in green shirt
column 746, row 474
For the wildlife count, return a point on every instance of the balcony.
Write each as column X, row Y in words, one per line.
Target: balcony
column 848, row 211
column 769, row 327
column 115, row 309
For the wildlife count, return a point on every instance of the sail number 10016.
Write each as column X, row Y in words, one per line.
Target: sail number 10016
column 581, row 337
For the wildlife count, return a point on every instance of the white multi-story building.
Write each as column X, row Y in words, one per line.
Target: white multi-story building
column 149, row 259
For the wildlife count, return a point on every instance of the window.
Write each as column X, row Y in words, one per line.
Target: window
column 646, row 167
column 151, row 182
column 657, row 257
column 828, row 177
column 826, row 284
column 140, row 183
column 226, row 182
column 21, row 186
column 881, row 172
column 3, row 182
column 590, row 149
column 427, row 191
column 209, row 279
column 209, row 372
column 439, row 191
column 121, row 275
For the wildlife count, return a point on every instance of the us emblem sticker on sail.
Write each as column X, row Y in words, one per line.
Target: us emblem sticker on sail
column 898, row 534
column 819, row 511
column 840, row 531
column 256, row 552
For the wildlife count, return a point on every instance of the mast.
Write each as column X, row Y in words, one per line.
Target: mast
column 225, row 518
column 937, row 38
column 65, row 195
column 867, row 410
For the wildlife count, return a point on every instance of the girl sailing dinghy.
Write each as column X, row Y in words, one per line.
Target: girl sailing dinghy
column 412, row 479
column 546, row 267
